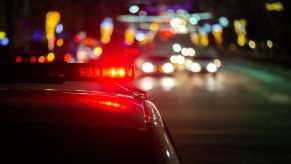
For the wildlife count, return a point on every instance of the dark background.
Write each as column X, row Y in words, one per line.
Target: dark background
column 20, row 18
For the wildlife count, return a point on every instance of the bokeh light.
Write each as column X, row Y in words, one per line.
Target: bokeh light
column 41, row 59
column 67, row 57
column 154, row 26
column 193, row 20
column 207, row 27
column 32, row 59
column 4, row 41
column 98, row 51
column 50, row 57
column 252, row 44
column 177, row 47
column 2, row 34
column 223, row 21
column 134, row 9
column 270, row 44
column 18, row 59
column 60, row 42
column 59, row 28
column 140, row 36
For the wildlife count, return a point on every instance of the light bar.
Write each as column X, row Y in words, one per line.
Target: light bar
column 126, row 72
column 36, row 72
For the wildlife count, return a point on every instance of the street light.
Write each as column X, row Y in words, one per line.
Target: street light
column 275, row 6
column 52, row 19
column 106, row 30
column 240, row 29
column 130, row 35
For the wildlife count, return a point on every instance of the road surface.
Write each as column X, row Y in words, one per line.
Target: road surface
column 242, row 116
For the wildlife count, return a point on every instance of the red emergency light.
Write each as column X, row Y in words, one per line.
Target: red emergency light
column 121, row 72
column 27, row 72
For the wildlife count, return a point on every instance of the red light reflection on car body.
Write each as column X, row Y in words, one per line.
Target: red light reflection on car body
column 106, row 103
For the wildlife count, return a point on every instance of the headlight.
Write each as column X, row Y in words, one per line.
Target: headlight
column 211, row 68
column 168, row 68
column 180, row 59
column 173, row 59
column 195, row 67
column 188, row 64
column 148, row 68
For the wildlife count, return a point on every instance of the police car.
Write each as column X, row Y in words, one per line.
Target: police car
column 49, row 123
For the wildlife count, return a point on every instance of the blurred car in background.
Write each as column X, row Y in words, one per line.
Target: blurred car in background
column 203, row 62
column 156, row 65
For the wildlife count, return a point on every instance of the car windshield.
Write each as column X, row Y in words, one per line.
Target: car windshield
column 234, row 108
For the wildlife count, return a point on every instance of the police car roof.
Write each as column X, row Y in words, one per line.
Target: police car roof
column 72, row 107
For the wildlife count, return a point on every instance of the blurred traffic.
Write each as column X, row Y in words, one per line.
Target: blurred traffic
column 134, row 29
column 205, row 61
column 157, row 63
column 222, row 67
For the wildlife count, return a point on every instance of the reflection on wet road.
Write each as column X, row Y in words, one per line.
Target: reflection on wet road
column 234, row 118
